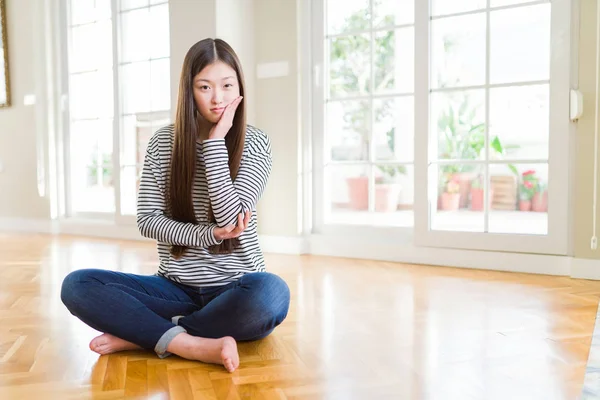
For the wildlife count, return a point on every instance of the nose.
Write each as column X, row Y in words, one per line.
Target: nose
column 217, row 97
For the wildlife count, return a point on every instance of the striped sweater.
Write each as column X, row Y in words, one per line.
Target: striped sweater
column 214, row 186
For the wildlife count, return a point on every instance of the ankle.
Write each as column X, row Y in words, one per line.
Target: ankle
column 182, row 342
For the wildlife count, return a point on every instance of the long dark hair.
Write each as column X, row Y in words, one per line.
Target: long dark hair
column 183, row 159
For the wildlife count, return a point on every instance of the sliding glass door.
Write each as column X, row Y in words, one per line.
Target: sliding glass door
column 118, row 94
column 446, row 118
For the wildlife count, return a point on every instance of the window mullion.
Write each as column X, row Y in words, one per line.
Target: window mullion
column 371, row 147
column 116, row 159
column 486, row 137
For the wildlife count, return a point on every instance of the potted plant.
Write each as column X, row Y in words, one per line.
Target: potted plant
column 477, row 194
column 527, row 189
column 387, row 188
column 94, row 167
column 451, row 196
column 461, row 137
column 539, row 201
column 358, row 192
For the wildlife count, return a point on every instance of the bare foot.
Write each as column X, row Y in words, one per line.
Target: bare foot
column 215, row 351
column 107, row 344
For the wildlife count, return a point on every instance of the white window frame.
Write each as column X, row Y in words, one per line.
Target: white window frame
column 67, row 213
column 562, row 74
column 316, row 9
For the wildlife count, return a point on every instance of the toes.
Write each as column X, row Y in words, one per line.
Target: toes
column 228, row 363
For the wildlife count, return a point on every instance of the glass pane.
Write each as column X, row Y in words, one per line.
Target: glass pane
column 458, row 51
column 158, row 1
column 85, row 11
column 136, row 35
column 445, row 7
column 519, row 122
column 129, row 141
column 347, row 15
column 91, row 47
column 520, row 202
column 459, row 198
column 393, row 12
column 346, row 192
column 394, row 61
column 159, row 32
column 347, row 130
column 137, row 131
column 135, row 85
column 393, row 129
column 130, row 184
column 129, row 4
column 394, row 195
column 458, row 124
column 520, row 44
column 91, row 95
column 350, row 65
column 90, row 160
column 160, row 84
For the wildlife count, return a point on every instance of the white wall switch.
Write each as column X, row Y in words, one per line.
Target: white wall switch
column 576, row 106
column 272, row 70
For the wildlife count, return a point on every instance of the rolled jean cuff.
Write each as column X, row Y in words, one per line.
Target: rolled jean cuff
column 165, row 339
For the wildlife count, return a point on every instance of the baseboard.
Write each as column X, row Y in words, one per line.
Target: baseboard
column 101, row 229
column 361, row 247
column 9, row 224
column 283, row 244
column 584, row 268
column 95, row 228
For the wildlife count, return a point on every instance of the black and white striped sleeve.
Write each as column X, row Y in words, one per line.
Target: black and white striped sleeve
column 229, row 199
column 151, row 219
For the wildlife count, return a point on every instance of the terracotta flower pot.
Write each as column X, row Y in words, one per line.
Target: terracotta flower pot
column 450, row 201
column 358, row 191
column 524, row 205
column 386, row 197
column 464, row 182
column 477, row 196
column 539, row 202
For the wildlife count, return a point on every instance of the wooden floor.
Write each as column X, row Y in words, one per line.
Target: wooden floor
column 356, row 330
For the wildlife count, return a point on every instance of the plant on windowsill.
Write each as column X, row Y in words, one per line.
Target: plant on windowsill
column 450, row 200
column 539, row 201
column 461, row 137
column 477, row 194
column 387, row 187
column 94, row 167
column 527, row 189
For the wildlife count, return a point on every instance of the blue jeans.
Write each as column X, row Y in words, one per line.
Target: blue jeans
column 144, row 309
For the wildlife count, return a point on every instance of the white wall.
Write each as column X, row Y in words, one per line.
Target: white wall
column 19, row 123
column 190, row 21
column 278, row 114
column 235, row 25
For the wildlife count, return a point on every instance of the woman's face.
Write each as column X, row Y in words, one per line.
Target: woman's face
column 214, row 88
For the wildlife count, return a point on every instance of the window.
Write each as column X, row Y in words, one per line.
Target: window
column 369, row 112
column 489, row 115
column 452, row 115
column 119, row 94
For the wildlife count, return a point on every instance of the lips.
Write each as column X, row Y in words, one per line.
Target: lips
column 217, row 109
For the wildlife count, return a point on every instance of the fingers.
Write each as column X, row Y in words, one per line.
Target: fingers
column 233, row 105
column 222, row 233
column 233, row 231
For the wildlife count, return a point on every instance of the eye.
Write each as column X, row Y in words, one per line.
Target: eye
column 228, row 85
column 203, row 87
